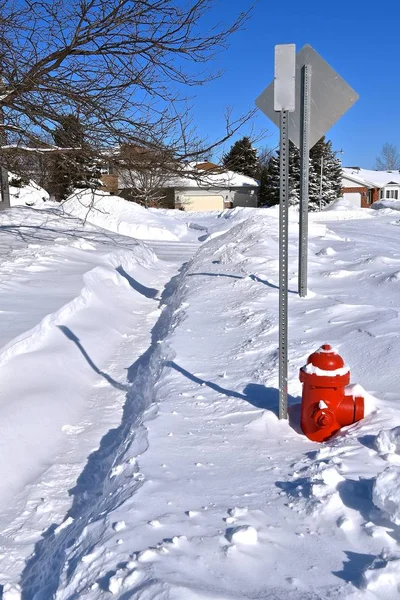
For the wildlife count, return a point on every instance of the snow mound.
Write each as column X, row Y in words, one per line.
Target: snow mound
column 127, row 218
column 11, row 592
column 394, row 277
column 383, row 575
column 342, row 210
column 326, row 252
column 382, row 204
column 341, row 204
column 386, row 493
column 388, row 441
column 29, row 195
column 243, row 534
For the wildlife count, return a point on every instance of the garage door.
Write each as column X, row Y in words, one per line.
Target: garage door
column 203, row 203
column 353, row 198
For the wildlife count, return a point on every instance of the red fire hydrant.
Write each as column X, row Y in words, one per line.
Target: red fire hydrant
column 325, row 408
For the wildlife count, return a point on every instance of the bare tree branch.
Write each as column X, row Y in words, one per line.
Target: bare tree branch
column 388, row 159
column 119, row 65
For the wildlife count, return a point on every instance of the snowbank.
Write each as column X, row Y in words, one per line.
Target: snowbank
column 119, row 215
column 386, row 492
column 382, row 204
column 382, row 576
column 29, row 195
column 342, row 210
column 73, row 280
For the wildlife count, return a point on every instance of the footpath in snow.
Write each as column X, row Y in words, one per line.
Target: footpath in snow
column 78, row 309
column 194, row 489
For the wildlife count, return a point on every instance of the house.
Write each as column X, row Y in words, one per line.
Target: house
column 362, row 187
column 195, row 187
column 209, row 187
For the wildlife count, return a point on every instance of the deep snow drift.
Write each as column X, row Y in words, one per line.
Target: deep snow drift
column 147, row 402
column 116, row 214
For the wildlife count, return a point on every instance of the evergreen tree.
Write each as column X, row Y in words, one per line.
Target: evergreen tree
column 264, row 164
column 242, row 158
column 331, row 176
column 75, row 168
column 272, row 185
column 322, row 154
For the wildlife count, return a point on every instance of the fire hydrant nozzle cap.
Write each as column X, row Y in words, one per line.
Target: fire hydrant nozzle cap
column 326, row 359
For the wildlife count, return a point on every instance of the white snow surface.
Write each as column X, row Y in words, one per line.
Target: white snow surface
column 119, row 215
column 142, row 456
column 30, row 194
column 196, row 178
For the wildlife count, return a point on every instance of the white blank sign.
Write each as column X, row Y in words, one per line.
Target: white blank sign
column 285, row 77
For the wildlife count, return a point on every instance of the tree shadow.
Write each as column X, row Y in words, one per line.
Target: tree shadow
column 141, row 289
column 268, row 283
column 215, row 275
column 251, row 276
column 91, row 496
column 260, row 396
column 71, row 336
column 49, row 230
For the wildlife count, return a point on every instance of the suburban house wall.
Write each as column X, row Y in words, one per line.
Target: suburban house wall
column 367, row 195
column 165, row 197
column 109, row 183
column 232, row 197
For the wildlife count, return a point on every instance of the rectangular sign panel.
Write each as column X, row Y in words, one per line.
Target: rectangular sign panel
column 285, row 77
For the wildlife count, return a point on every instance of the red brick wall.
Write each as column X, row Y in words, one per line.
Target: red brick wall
column 364, row 194
column 375, row 194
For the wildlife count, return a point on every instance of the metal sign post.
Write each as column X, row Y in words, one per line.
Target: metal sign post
column 283, row 264
column 315, row 112
column 304, row 176
column 4, row 188
column 284, row 102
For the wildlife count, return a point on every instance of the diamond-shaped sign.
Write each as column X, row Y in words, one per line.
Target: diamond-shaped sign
column 331, row 97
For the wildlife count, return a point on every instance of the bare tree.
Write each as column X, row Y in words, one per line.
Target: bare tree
column 144, row 173
column 118, row 65
column 388, row 159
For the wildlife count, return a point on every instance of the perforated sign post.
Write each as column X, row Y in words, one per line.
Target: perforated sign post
column 4, row 188
column 284, row 103
column 319, row 99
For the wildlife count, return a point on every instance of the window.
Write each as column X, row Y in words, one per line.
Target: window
column 381, row 193
column 392, row 194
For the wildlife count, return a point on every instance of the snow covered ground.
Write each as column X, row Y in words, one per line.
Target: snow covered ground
column 142, row 453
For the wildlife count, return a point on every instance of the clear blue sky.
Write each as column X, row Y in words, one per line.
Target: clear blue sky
column 359, row 40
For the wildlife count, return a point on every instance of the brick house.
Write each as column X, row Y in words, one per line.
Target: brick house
column 198, row 187
column 363, row 187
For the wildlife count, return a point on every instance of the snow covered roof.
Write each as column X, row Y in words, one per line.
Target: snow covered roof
column 372, row 178
column 219, row 178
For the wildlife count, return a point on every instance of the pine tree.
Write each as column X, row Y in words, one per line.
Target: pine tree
column 264, row 164
column 76, row 168
column 322, row 154
column 242, row 158
column 272, row 185
column 331, row 176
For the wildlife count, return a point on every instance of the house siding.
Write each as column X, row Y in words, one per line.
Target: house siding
column 243, row 196
column 363, row 191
